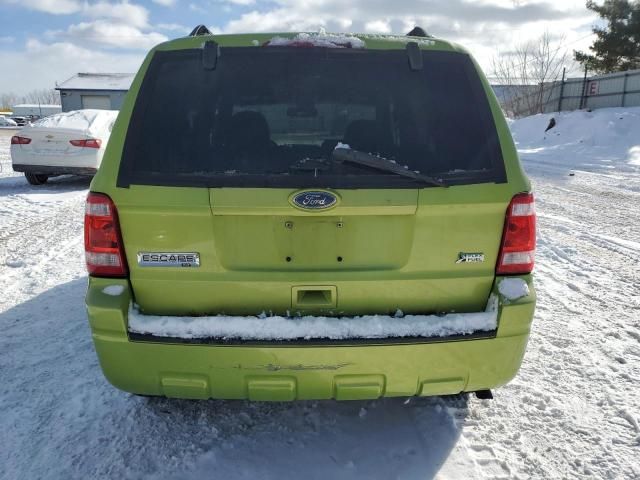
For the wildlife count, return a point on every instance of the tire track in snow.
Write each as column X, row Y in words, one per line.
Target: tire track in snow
column 41, row 242
column 485, row 462
column 565, row 414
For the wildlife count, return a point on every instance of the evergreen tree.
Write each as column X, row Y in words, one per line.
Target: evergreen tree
column 617, row 47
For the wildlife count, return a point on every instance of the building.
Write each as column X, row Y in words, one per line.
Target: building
column 103, row 91
column 34, row 109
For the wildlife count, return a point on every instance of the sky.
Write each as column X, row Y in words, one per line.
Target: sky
column 47, row 41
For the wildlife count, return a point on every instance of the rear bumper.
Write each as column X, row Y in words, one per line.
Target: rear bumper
column 315, row 371
column 54, row 170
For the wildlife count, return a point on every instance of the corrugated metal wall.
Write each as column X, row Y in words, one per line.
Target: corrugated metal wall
column 612, row 90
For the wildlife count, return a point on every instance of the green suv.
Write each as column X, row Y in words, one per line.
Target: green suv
column 309, row 216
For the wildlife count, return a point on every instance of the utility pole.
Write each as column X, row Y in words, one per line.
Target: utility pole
column 564, row 73
column 583, row 102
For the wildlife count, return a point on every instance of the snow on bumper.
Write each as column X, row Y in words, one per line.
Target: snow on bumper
column 281, row 328
column 362, row 369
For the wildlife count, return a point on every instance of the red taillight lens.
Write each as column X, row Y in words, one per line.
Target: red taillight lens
column 104, row 251
column 517, row 252
column 16, row 140
column 88, row 143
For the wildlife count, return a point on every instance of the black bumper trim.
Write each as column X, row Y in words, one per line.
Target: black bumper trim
column 54, row 170
column 352, row 342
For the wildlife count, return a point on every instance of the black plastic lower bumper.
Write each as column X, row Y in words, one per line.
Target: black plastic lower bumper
column 54, row 170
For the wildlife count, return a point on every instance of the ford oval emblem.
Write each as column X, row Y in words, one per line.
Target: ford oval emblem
column 314, row 200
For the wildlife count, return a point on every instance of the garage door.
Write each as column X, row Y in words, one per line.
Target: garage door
column 101, row 102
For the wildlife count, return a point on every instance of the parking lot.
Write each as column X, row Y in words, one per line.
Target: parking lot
column 573, row 410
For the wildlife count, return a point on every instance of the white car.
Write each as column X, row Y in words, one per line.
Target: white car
column 7, row 122
column 64, row 143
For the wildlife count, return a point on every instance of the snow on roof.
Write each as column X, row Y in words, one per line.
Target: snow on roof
column 98, row 81
column 320, row 39
column 427, row 41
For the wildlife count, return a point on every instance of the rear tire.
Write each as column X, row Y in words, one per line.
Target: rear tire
column 36, row 178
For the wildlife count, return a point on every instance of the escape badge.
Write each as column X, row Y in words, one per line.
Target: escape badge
column 169, row 259
column 470, row 257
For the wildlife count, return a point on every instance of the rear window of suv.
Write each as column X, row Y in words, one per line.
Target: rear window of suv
column 272, row 117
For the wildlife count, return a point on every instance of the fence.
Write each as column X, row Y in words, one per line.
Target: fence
column 612, row 90
column 601, row 91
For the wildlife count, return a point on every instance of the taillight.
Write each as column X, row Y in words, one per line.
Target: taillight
column 16, row 140
column 89, row 143
column 103, row 248
column 517, row 252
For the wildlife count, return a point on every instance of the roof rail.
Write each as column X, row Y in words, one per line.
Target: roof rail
column 200, row 30
column 418, row 32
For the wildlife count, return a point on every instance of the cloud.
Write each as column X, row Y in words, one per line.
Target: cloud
column 377, row 26
column 105, row 33
column 290, row 14
column 41, row 65
column 125, row 13
column 196, row 8
column 55, row 7
column 173, row 27
column 274, row 21
column 482, row 26
column 114, row 25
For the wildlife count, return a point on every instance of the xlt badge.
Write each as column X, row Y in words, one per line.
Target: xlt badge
column 169, row 259
column 470, row 257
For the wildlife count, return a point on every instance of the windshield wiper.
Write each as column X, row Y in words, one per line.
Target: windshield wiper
column 349, row 155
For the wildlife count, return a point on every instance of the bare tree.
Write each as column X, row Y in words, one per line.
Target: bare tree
column 527, row 74
column 7, row 100
column 43, row 96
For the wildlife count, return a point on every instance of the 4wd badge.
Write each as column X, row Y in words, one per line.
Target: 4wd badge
column 470, row 257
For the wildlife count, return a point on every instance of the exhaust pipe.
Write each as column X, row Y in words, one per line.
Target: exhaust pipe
column 484, row 395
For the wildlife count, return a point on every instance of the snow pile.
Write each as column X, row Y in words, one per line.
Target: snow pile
column 634, row 155
column 602, row 139
column 320, row 39
column 7, row 122
column 286, row 328
column 513, row 288
column 83, row 120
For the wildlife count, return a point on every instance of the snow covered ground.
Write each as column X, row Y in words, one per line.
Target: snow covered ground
column 572, row 412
